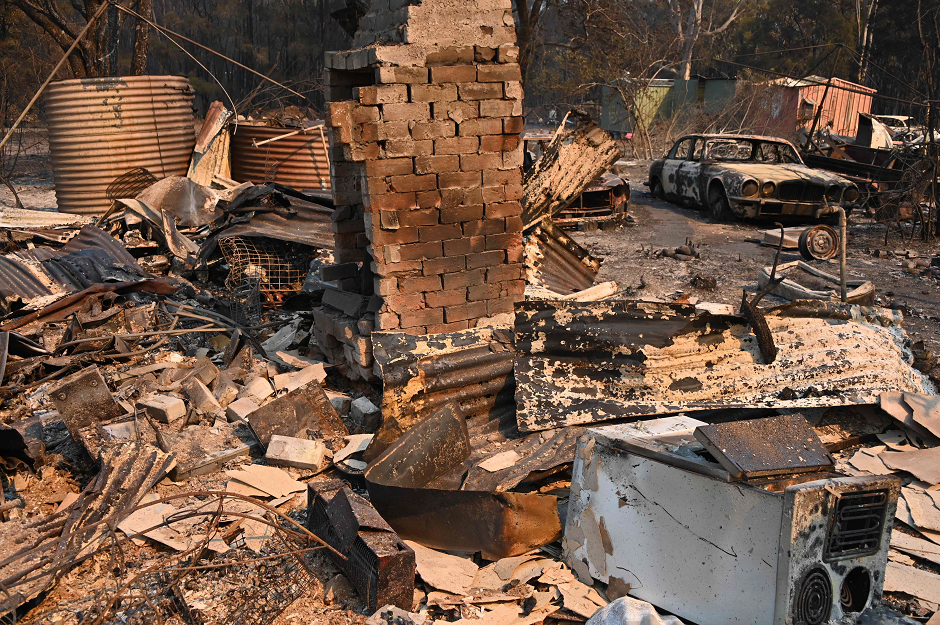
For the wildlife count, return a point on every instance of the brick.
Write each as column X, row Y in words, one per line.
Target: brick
column 515, row 288
column 452, row 197
column 382, row 94
column 513, row 90
column 439, row 233
column 404, row 302
column 419, row 284
column 239, row 409
column 413, row 182
column 363, row 114
column 445, row 265
column 478, row 91
column 437, row 164
column 455, row 73
column 503, row 241
column 367, row 132
column 424, row 317
column 503, row 209
column 412, row 111
column 513, row 125
column 470, row 310
column 484, row 226
column 462, row 213
column 415, row 330
column 499, row 306
column 483, row 54
column 299, row 453
column 483, row 292
column 480, row 162
column 493, row 177
column 361, row 151
column 499, row 73
column 386, row 321
column 388, row 220
column 409, row 148
column 496, row 108
column 436, row 129
column 391, row 201
column 447, row 328
column 464, row 245
column 393, row 131
column 338, row 272
column 514, row 159
column 480, row 126
column 428, row 199
column 493, row 194
column 200, row 397
column 461, row 179
column 485, row 259
column 365, row 414
column 503, row 273
column 513, row 192
column 164, row 408
column 442, row 56
column 443, row 299
column 433, row 93
column 396, row 237
column 390, row 167
column 514, row 224
column 499, row 143
column 515, row 254
column 418, row 217
column 457, row 111
column 507, row 54
column 463, row 279
column 456, row 145
column 407, row 75
column 421, row 251
column 384, row 286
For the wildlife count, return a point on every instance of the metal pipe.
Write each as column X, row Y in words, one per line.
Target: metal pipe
column 842, row 244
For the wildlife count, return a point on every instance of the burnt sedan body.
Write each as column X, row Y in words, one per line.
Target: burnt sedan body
column 748, row 177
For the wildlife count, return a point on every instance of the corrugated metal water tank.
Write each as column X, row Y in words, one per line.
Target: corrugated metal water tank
column 100, row 128
column 298, row 160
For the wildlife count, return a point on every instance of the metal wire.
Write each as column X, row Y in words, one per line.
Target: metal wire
column 277, row 267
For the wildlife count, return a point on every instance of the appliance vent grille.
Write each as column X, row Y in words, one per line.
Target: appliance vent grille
column 857, row 524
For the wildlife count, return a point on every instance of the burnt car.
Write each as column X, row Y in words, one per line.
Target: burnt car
column 748, row 177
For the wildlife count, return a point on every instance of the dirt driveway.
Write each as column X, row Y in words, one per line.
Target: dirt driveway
column 731, row 253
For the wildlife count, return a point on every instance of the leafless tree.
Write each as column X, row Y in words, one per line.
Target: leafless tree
column 691, row 24
column 865, row 12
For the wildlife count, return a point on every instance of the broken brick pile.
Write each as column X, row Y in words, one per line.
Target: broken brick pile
column 426, row 164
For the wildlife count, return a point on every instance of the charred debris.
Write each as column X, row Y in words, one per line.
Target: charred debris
column 398, row 392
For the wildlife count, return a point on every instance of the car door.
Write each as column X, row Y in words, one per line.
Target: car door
column 687, row 174
column 676, row 157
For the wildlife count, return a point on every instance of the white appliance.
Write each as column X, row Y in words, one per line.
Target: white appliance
column 653, row 508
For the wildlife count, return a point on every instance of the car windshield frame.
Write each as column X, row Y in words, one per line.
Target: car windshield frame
column 786, row 154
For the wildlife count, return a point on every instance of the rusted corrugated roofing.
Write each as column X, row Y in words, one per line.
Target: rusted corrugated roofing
column 472, row 368
column 584, row 362
column 91, row 257
column 555, row 261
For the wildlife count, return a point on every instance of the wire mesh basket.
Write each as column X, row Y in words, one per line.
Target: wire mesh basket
column 246, row 301
column 279, row 268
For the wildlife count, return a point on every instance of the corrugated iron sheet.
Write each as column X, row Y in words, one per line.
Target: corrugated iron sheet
column 300, row 161
column 555, row 261
column 91, row 257
column 100, row 128
column 574, row 158
column 579, row 363
column 18, row 219
column 472, row 368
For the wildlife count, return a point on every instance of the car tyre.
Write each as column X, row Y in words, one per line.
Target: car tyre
column 656, row 188
column 718, row 204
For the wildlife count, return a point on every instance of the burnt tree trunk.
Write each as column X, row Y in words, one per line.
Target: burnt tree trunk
column 141, row 39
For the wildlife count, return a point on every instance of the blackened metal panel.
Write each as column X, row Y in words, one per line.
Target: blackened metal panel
column 585, row 362
column 555, row 261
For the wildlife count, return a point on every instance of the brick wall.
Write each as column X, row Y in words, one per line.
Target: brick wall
column 426, row 172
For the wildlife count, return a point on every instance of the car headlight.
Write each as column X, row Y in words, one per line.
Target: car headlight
column 833, row 193
column 749, row 188
column 768, row 189
column 850, row 194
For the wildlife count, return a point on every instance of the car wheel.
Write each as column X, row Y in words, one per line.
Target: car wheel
column 718, row 204
column 657, row 189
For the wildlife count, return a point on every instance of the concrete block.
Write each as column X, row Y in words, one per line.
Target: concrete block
column 200, row 397
column 258, row 388
column 286, row 451
column 365, row 413
column 341, row 402
column 239, row 409
column 163, row 408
